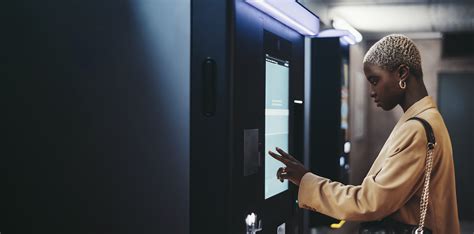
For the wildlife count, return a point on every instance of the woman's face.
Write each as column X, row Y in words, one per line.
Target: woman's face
column 384, row 88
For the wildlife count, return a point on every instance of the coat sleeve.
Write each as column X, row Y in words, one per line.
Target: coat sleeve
column 379, row 195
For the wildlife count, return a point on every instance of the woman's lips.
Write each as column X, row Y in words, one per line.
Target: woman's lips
column 377, row 102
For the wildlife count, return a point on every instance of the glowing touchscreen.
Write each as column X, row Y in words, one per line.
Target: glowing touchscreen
column 276, row 120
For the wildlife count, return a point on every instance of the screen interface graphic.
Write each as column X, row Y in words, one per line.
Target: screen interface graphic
column 276, row 120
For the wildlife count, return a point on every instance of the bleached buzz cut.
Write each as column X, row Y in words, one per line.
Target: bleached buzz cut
column 394, row 50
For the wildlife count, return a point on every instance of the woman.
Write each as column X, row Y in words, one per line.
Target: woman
column 394, row 183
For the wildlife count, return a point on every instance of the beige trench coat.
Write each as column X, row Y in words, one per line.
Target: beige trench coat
column 393, row 184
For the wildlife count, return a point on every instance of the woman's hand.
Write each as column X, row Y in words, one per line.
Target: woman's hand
column 293, row 171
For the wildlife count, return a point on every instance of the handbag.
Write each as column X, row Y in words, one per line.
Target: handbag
column 391, row 226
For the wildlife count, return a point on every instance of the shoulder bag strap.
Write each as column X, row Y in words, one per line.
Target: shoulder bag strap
column 428, row 166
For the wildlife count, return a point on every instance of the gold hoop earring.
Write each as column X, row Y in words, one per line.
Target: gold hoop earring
column 402, row 84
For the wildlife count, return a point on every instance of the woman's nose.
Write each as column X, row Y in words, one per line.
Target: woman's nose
column 372, row 93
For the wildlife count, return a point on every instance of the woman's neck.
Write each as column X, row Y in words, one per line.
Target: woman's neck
column 416, row 92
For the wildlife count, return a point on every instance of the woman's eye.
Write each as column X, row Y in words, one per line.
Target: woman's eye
column 372, row 80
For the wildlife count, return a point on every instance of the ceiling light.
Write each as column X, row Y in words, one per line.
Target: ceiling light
column 291, row 13
column 341, row 24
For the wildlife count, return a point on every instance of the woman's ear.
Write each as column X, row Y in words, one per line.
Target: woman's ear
column 403, row 71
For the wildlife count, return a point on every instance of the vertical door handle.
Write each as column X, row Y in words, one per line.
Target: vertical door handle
column 209, row 73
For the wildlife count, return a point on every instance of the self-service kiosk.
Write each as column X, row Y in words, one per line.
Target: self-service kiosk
column 246, row 96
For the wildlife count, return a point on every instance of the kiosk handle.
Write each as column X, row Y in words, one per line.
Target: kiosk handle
column 209, row 73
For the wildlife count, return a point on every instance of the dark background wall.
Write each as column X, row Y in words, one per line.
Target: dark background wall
column 96, row 117
column 458, row 112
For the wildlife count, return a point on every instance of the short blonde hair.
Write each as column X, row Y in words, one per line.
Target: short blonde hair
column 394, row 50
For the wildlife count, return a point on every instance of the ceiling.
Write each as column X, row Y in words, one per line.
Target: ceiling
column 425, row 18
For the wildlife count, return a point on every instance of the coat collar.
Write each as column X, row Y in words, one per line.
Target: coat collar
column 417, row 108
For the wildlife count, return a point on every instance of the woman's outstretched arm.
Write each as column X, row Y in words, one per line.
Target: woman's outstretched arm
column 380, row 194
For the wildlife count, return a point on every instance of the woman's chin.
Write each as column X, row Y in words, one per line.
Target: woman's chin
column 385, row 107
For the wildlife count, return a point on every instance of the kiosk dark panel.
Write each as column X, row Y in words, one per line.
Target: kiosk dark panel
column 211, row 180
column 325, row 113
column 97, row 117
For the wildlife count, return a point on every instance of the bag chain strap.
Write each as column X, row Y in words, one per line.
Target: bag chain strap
column 426, row 188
